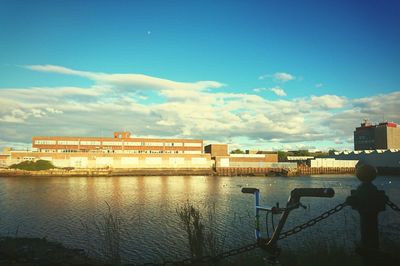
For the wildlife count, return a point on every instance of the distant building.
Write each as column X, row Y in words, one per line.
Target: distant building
column 382, row 136
column 216, row 150
column 122, row 142
column 219, row 153
column 331, row 163
column 299, row 158
column 119, row 151
column 385, row 161
column 248, row 161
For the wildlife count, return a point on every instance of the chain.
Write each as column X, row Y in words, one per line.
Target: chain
column 203, row 259
column 312, row 222
column 392, row 205
column 236, row 251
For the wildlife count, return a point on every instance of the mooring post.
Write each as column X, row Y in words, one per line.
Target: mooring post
column 368, row 201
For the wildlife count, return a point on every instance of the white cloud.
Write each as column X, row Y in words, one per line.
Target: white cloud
column 278, row 91
column 259, row 89
column 283, row 77
column 319, row 85
column 165, row 123
column 135, row 81
column 279, row 77
column 14, row 116
column 247, row 120
column 53, row 111
column 329, row 101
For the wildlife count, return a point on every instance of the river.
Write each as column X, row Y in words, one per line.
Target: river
column 67, row 209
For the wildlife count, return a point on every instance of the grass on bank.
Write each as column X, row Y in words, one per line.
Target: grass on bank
column 201, row 230
column 312, row 251
column 103, row 237
column 33, row 165
column 39, row 251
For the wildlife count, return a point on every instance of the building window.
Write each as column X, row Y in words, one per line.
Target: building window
column 45, row 142
column 192, row 144
column 131, row 143
column 68, row 142
column 88, row 143
column 112, row 143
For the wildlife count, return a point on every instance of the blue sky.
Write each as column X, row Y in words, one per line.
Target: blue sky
column 255, row 74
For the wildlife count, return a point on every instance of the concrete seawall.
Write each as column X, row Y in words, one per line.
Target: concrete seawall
column 104, row 172
column 325, row 170
column 177, row 172
column 230, row 171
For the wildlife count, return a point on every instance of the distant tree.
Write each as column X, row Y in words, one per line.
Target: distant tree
column 332, row 152
column 33, row 166
column 302, row 153
column 319, row 154
column 237, row 151
column 282, row 156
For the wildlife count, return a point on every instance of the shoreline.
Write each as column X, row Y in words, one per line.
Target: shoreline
column 33, row 251
column 256, row 172
column 103, row 172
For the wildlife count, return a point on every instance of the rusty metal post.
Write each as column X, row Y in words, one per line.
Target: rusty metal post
column 368, row 201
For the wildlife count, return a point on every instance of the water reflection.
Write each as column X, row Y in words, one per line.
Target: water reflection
column 57, row 208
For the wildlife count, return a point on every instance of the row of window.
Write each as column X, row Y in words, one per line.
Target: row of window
column 367, row 141
column 125, row 151
column 104, row 161
column 117, row 143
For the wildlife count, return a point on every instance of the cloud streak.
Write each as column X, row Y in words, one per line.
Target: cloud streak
column 138, row 81
column 283, row 77
column 278, row 77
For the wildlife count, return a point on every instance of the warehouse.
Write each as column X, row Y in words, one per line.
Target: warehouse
column 122, row 142
column 120, row 151
column 109, row 160
column 383, row 160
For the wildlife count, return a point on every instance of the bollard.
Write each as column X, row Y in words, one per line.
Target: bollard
column 368, row 201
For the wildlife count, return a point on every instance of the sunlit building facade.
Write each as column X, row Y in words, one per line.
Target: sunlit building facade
column 122, row 142
column 383, row 136
column 119, row 151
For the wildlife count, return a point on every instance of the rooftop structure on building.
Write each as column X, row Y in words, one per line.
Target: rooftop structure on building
column 382, row 136
column 216, row 150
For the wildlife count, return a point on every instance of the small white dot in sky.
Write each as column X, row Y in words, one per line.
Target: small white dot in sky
column 148, row 32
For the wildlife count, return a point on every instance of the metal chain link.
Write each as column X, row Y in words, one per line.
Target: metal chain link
column 203, row 259
column 312, row 222
column 236, row 251
column 392, row 205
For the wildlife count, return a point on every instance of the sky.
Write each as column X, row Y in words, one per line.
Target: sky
column 264, row 75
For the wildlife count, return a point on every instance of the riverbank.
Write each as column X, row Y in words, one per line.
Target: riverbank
column 104, row 172
column 226, row 171
column 39, row 251
column 289, row 172
column 221, row 171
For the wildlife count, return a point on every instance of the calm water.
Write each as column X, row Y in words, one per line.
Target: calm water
column 66, row 209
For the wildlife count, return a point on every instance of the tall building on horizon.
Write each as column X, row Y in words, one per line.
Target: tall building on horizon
column 382, row 136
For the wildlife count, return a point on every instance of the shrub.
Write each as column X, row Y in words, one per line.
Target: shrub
column 33, row 166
